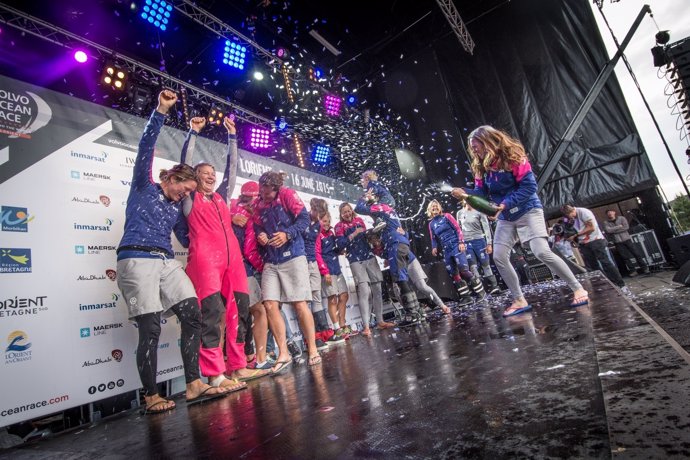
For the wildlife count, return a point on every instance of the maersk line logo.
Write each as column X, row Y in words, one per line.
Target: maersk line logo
column 95, row 228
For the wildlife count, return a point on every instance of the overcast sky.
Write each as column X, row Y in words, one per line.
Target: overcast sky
column 672, row 15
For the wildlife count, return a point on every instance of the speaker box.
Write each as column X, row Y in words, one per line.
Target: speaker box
column 680, row 248
column 683, row 274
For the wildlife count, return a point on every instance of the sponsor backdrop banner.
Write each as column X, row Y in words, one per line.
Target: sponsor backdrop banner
column 65, row 172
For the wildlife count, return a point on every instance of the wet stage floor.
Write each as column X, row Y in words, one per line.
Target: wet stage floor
column 589, row 382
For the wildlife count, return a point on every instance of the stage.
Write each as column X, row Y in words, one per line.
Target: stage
column 595, row 381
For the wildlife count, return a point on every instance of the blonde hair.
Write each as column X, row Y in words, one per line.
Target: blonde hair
column 320, row 206
column 340, row 210
column 502, row 150
column 181, row 172
column 428, row 208
column 370, row 174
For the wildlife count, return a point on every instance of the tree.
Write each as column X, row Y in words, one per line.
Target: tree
column 680, row 207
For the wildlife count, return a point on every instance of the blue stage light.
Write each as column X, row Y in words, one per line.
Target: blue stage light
column 321, row 154
column 234, row 55
column 351, row 99
column 157, row 12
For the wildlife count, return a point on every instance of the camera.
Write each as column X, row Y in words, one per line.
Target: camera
column 564, row 229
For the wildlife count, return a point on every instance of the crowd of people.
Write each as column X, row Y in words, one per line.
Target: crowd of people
column 232, row 326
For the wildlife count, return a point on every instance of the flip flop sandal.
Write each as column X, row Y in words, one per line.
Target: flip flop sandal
column 281, row 367
column 314, row 361
column 580, row 303
column 149, row 410
column 203, row 397
column 517, row 311
column 256, row 374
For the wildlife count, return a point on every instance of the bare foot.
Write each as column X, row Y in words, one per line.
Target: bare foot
column 385, row 325
column 197, row 387
column 366, row 332
column 580, row 297
column 246, row 374
column 158, row 404
column 515, row 306
column 314, row 360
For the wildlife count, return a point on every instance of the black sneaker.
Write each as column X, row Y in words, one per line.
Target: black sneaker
column 336, row 339
column 494, row 290
column 409, row 320
column 294, row 349
column 321, row 345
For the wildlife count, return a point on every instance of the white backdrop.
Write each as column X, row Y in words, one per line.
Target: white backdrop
column 66, row 337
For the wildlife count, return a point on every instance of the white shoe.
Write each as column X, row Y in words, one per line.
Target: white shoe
column 627, row 292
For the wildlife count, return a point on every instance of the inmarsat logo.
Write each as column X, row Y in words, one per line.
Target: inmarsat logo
column 95, row 228
column 99, row 157
column 21, row 114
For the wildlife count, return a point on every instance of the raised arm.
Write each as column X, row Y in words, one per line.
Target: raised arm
column 143, row 165
column 196, row 124
column 227, row 185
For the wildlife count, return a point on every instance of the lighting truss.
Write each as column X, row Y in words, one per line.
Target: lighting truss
column 212, row 23
column 451, row 13
column 51, row 33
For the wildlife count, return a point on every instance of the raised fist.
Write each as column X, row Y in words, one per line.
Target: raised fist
column 166, row 99
column 197, row 123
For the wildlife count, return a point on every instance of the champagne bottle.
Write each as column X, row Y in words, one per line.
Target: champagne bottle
column 482, row 205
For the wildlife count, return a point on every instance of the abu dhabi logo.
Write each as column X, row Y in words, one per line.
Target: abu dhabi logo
column 15, row 219
column 15, row 260
column 18, row 348
column 95, row 228
column 102, row 199
column 22, row 113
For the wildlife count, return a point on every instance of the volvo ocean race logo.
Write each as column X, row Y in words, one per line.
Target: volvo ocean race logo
column 21, row 114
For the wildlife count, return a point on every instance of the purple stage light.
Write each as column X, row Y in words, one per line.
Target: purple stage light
column 259, row 138
column 332, row 105
column 80, row 57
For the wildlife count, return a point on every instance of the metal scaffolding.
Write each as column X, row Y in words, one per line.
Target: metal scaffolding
column 456, row 24
column 58, row 36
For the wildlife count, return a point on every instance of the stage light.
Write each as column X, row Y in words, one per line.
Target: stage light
column 298, row 150
column 351, row 99
column 282, row 53
column 234, row 54
column 259, row 138
column 321, row 154
column 80, row 57
column 157, row 13
column 288, row 85
column 215, row 116
column 315, row 74
column 281, row 124
column 258, row 76
column 114, row 77
column 332, row 105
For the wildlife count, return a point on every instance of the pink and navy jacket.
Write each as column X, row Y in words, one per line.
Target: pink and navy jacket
column 247, row 240
column 357, row 249
column 286, row 213
column 515, row 189
column 389, row 235
column 445, row 231
column 150, row 216
column 327, row 253
column 310, row 235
